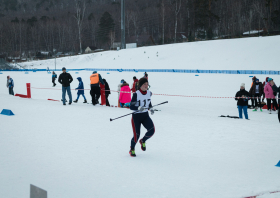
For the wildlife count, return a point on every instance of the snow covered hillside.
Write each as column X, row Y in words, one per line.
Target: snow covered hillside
column 258, row 53
column 76, row 152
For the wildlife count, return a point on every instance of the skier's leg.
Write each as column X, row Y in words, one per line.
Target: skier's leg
column 136, row 125
column 149, row 125
column 69, row 94
column 268, row 104
column 240, row 111
column 245, row 111
column 63, row 94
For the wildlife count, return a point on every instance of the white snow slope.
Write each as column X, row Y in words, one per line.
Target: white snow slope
column 76, row 152
column 260, row 53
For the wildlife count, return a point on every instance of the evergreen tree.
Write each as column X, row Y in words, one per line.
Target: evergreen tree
column 106, row 26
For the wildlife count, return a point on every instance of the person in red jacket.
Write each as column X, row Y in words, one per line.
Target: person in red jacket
column 134, row 88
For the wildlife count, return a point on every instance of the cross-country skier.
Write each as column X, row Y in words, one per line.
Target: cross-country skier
column 140, row 103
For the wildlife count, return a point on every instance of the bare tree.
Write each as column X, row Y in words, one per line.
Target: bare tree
column 176, row 4
column 79, row 16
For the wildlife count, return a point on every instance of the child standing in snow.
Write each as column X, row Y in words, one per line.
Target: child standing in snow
column 80, row 90
column 140, row 103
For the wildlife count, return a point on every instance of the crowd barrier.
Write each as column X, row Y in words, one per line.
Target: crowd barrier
column 197, row 71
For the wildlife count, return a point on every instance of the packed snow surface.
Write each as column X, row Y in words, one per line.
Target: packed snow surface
column 258, row 53
column 74, row 151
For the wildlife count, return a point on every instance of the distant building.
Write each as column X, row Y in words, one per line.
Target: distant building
column 90, row 49
column 142, row 40
column 43, row 55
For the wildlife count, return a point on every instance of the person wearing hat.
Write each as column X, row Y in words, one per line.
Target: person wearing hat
column 81, row 91
column 264, row 84
column 95, row 79
column 269, row 95
column 125, row 95
column 140, row 104
column 10, row 85
column 256, row 92
column 134, row 86
column 242, row 97
column 65, row 79
column 107, row 92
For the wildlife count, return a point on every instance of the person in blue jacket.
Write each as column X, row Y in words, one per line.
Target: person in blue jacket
column 54, row 76
column 10, row 85
column 80, row 90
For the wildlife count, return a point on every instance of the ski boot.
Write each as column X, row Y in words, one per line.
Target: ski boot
column 85, row 101
column 75, row 101
column 143, row 145
column 132, row 153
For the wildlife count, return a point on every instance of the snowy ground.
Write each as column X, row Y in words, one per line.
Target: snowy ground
column 75, row 151
column 258, row 53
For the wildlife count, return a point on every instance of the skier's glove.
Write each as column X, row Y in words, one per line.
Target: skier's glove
column 141, row 109
column 152, row 111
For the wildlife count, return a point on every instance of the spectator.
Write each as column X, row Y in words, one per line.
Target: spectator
column 275, row 89
column 54, row 76
column 270, row 95
column 107, row 92
column 135, row 84
column 125, row 95
column 264, row 84
column 80, row 90
column 10, row 85
column 242, row 101
column 95, row 79
column 119, row 88
column 256, row 92
column 65, row 79
column 146, row 75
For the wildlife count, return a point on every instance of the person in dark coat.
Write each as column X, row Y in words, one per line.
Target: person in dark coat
column 256, row 92
column 107, row 92
column 65, row 79
column 95, row 79
column 242, row 97
column 10, row 85
column 81, row 91
column 54, row 76
column 135, row 84
column 276, row 89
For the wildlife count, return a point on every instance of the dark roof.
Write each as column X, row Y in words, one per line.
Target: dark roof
column 142, row 39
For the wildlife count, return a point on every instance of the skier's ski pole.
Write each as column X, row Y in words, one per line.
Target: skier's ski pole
column 137, row 111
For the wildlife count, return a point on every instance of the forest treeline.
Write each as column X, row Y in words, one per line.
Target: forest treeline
column 29, row 26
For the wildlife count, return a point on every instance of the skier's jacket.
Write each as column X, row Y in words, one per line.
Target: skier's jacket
column 95, row 78
column 10, row 83
column 242, row 101
column 81, row 86
column 253, row 89
column 65, row 79
column 107, row 88
column 125, row 97
column 269, row 91
column 134, row 86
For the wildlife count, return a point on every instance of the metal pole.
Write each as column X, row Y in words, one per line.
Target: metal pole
column 123, row 24
column 55, row 61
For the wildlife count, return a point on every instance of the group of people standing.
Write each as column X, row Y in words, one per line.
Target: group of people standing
column 268, row 90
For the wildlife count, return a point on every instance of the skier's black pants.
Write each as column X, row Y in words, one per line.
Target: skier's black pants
column 95, row 94
column 53, row 81
column 107, row 101
column 274, row 104
column 136, row 121
column 255, row 100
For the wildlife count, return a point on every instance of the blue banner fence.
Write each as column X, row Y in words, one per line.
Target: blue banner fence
column 197, row 71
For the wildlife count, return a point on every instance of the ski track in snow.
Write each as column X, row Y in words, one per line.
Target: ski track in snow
column 75, row 151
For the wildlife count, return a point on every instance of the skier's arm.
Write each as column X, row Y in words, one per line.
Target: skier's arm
column 275, row 88
column 134, row 102
column 70, row 78
column 59, row 79
column 100, row 79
